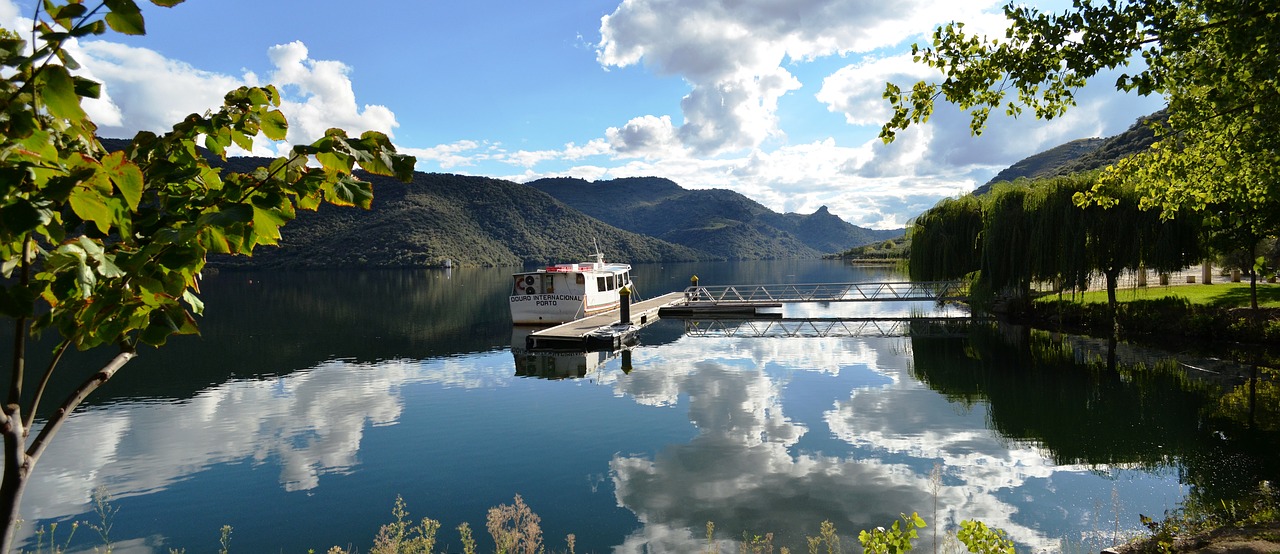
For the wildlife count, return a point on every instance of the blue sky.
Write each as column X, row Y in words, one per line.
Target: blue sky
column 776, row 99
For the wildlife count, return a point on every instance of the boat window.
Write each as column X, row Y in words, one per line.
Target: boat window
column 612, row 285
column 600, row 283
column 581, row 279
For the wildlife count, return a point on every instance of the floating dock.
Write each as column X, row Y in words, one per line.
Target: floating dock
column 732, row 302
column 601, row 331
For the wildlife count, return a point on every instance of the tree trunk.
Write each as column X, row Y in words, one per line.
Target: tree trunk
column 16, row 470
column 1253, row 292
column 20, row 460
column 1113, row 306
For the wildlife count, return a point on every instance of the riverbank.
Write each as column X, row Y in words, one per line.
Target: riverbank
column 1214, row 315
column 1186, row 316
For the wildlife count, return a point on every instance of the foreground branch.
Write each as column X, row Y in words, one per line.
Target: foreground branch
column 73, row 401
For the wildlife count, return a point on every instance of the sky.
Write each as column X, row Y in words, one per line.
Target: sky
column 779, row 100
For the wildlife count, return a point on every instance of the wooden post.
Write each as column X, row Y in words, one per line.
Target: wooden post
column 624, row 305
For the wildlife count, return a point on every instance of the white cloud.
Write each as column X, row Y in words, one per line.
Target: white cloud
column 322, row 96
column 457, row 154
column 150, row 91
column 736, row 60
column 144, row 90
column 645, row 136
column 732, row 55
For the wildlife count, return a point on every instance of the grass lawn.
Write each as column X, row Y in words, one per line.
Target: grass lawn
column 1221, row 295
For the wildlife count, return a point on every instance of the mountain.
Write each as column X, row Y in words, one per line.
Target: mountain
column 438, row 217
column 1045, row 163
column 718, row 222
column 1080, row 155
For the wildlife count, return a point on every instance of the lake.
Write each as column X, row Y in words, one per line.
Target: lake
column 313, row 400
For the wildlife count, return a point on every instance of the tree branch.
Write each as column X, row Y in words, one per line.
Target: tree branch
column 20, row 329
column 73, row 401
column 35, row 401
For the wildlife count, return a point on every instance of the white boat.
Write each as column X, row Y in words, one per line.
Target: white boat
column 565, row 292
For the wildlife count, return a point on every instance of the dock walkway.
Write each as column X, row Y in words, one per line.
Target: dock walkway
column 578, row 333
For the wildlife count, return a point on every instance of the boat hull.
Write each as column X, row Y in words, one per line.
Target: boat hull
column 549, row 309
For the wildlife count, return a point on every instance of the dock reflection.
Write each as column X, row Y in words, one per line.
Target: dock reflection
column 560, row 364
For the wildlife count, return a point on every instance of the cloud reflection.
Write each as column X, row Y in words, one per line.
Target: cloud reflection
column 789, row 433
column 744, row 471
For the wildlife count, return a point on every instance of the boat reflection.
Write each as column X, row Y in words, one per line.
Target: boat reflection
column 565, row 364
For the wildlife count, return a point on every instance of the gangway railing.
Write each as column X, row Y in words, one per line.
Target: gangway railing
column 816, row 327
column 939, row 291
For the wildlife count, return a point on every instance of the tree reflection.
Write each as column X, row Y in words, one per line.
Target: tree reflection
column 1094, row 407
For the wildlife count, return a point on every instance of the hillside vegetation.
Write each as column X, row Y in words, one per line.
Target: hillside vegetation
column 474, row 221
column 1079, row 155
column 721, row 223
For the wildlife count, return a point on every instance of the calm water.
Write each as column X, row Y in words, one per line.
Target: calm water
column 312, row 400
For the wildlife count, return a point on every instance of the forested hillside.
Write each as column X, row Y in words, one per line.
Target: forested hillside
column 719, row 222
column 479, row 221
column 438, row 217
column 1079, row 155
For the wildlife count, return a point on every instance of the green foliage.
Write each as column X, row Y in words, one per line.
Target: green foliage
column 895, row 539
column 944, row 240
column 473, row 221
column 985, row 540
column 894, row 249
column 105, row 248
column 826, row 538
column 1030, row 231
column 399, row 537
column 1214, row 62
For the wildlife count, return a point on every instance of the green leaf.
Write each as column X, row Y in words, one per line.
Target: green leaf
column 267, row 222
column 166, row 3
column 87, row 88
column 197, row 305
column 125, row 17
column 274, row 125
column 91, row 206
column 57, row 91
column 349, row 191
column 215, row 240
column 126, row 176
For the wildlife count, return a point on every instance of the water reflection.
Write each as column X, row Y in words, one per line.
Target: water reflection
column 780, row 449
column 635, row 450
column 560, row 364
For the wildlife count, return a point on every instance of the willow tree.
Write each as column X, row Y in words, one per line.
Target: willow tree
column 944, row 240
column 103, row 249
column 1123, row 235
column 1037, row 231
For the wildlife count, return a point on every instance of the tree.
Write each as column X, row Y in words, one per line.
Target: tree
column 1214, row 61
column 105, row 248
column 1030, row 231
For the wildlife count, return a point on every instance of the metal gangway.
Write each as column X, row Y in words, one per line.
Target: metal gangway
column 819, row 327
column 716, row 295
